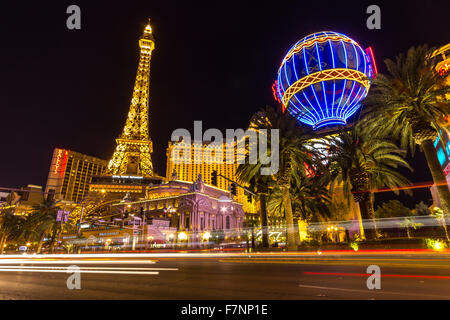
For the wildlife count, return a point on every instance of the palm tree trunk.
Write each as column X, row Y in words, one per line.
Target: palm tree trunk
column 41, row 242
column 264, row 220
column 54, row 237
column 2, row 243
column 372, row 213
column 438, row 175
column 291, row 238
column 366, row 208
column 444, row 225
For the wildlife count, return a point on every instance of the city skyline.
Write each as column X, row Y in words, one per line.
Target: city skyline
column 74, row 133
column 209, row 152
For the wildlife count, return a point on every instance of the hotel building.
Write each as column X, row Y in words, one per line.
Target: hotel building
column 71, row 173
column 205, row 159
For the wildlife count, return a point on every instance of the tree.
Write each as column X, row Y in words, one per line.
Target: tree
column 362, row 164
column 409, row 104
column 10, row 226
column 408, row 223
column 43, row 217
column 422, row 209
column 249, row 173
column 310, row 200
column 296, row 155
column 439, row 214
column 392, row 209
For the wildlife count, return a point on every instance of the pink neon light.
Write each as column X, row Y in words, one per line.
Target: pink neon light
column 369, row 51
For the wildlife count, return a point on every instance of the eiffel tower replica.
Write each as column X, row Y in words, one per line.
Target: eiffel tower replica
column 130, row 169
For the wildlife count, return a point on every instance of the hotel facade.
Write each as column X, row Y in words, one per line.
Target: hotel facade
column 71, row 173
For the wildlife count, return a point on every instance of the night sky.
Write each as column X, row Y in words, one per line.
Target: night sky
column 214, row 61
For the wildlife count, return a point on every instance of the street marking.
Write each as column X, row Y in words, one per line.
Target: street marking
column 383, row 275
column 375, row 291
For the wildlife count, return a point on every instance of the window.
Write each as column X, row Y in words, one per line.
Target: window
column 227, row 222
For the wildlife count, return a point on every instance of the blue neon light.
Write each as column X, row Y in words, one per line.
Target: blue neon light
column 329, row 102
column 441, row 156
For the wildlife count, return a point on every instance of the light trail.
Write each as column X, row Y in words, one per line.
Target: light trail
column 90, row 268
column 382, row 275
column 62, row 261
column 82, row 271
column 140, row 257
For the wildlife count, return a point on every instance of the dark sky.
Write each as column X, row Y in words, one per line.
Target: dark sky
column 214, row 61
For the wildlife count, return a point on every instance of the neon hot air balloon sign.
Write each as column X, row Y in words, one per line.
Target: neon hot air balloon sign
column 323, row 78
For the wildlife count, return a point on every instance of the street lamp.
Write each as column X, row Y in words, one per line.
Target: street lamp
column 182, row 236
column 171, row 236
column 206, row 236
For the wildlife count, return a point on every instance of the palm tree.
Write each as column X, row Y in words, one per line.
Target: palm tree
column 408, row 223
column 363, row 163
column 250, row 174
column 10, row 226
column 44, row 220
column 310, row 201
column 440, row 216
column 296, row 155
column 409, row 104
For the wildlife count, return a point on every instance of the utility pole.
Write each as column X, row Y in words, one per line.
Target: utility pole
column 263, row 209
column 61, row 225
column 81, row 218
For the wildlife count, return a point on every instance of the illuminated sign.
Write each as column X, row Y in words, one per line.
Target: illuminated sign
column 58, row 160
column 369, row 52
column 447, row 171
column 61, row 161
column 323, row 78
column 443, row 153
column 127, row 177
column 108, row 234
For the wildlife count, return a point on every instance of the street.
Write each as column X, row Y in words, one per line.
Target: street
column 321, row 276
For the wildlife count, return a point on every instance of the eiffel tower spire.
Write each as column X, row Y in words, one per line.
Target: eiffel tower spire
column 134, row 147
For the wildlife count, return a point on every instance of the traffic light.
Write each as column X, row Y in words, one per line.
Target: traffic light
column 233, row 189
column 249, row 197
column 126, row 215
column 214, row 178
column 142, row 212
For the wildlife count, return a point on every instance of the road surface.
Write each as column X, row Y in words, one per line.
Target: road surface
column 321, row 276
